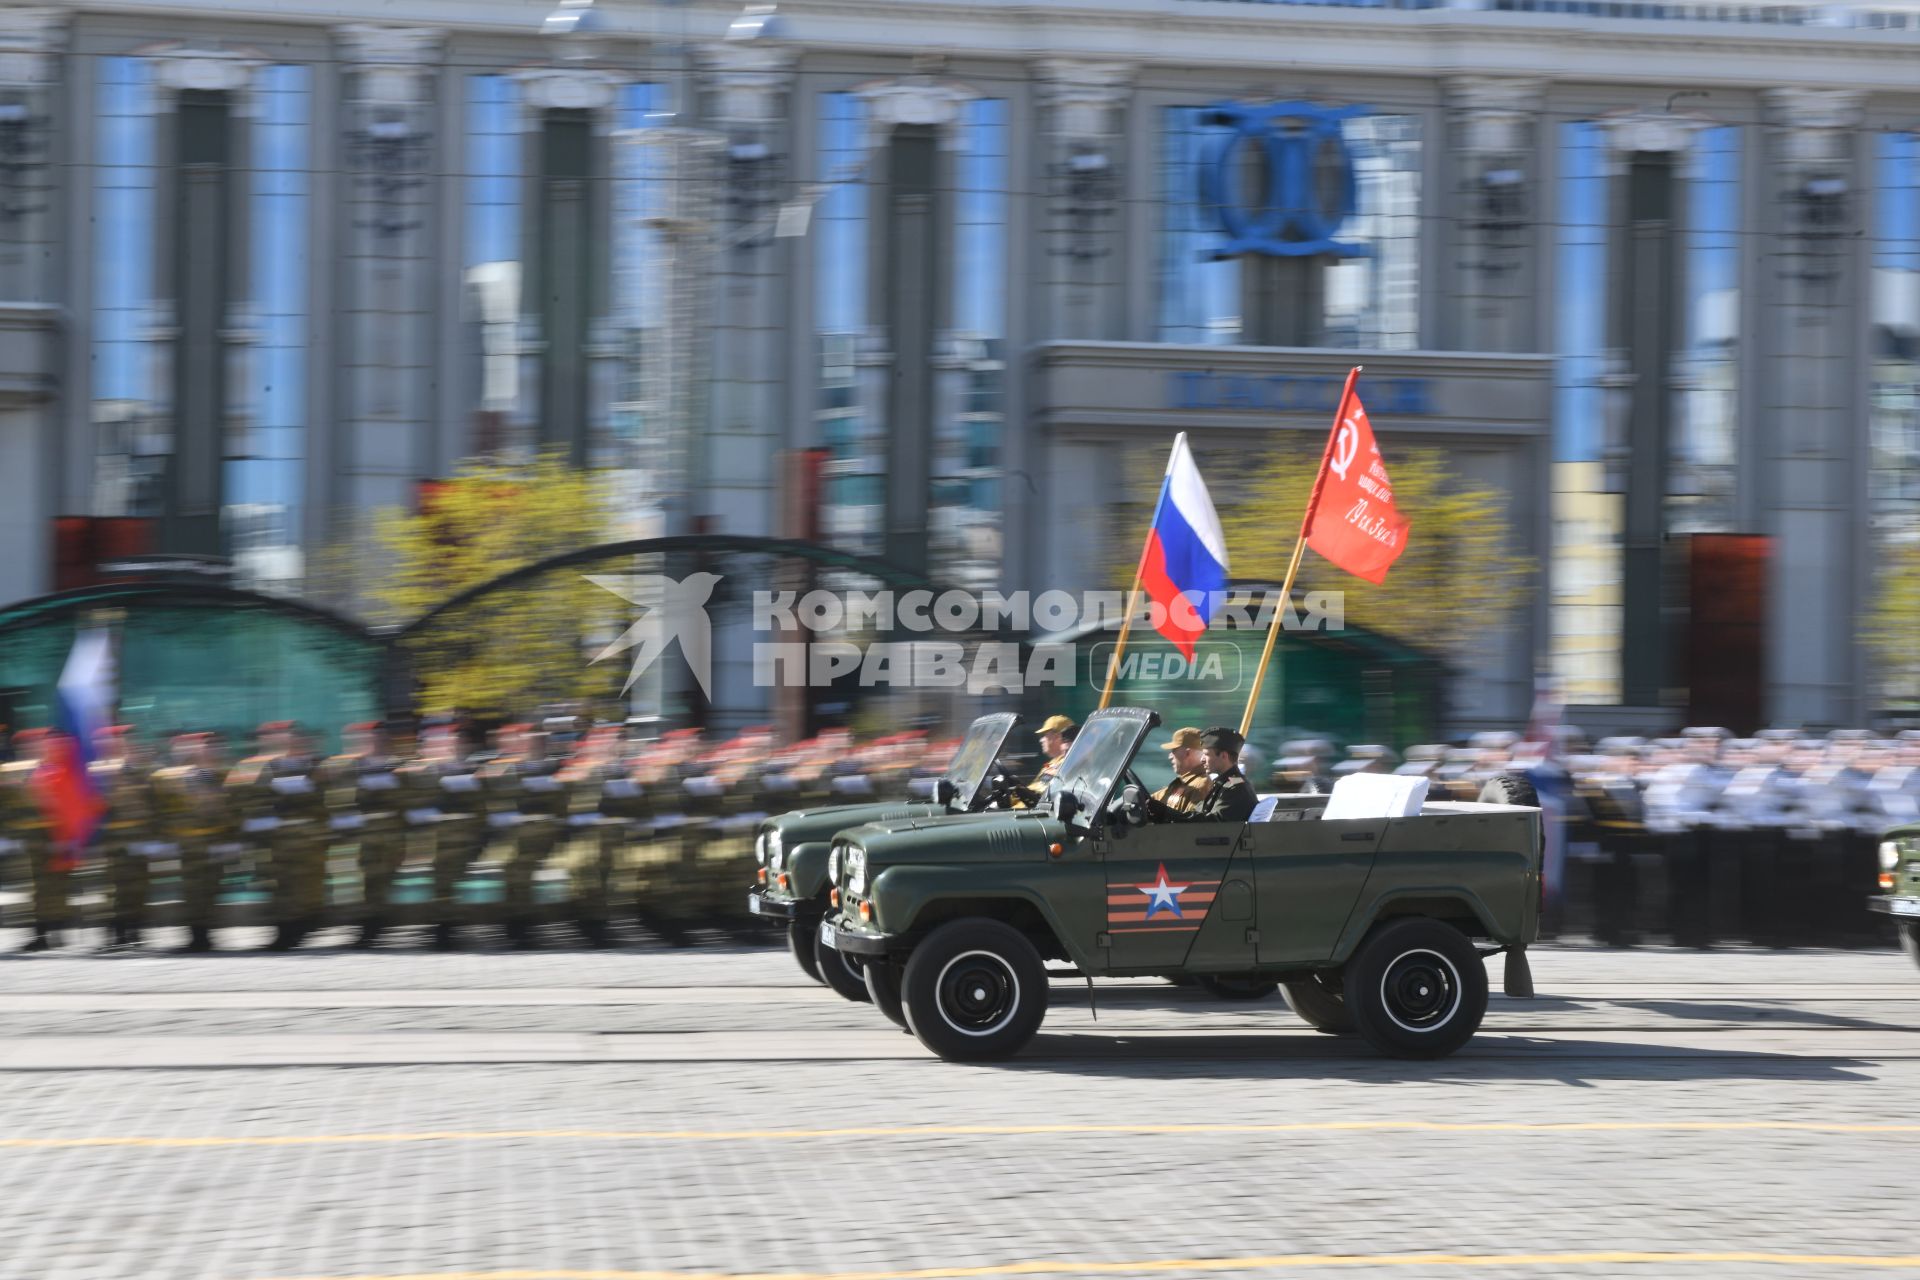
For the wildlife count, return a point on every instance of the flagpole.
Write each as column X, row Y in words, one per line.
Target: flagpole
column 1299, row 550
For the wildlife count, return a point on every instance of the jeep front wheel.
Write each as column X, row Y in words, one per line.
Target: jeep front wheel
column 1910, row 939
column 838, row 971
column 800, row 941
column 883, row 988
column 1318, row 1007
column 1417, row 989
column 974, row 989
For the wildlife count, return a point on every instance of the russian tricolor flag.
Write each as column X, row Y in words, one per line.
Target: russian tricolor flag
column 83, row 700
column 1184, row 568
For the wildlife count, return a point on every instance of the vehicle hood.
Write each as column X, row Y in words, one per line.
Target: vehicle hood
column 804, row 826
column 997, row 836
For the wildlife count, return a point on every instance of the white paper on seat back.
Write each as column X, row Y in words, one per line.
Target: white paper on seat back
column 1375, row 795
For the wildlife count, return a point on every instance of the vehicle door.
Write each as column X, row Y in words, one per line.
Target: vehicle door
column 1307, row 876
column 1178, row 894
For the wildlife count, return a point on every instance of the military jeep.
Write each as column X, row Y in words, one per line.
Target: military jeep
column 1376, row 925
column 1899, row 894
column 792, row 848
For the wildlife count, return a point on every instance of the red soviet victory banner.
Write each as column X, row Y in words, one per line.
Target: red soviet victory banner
column 1351, row 519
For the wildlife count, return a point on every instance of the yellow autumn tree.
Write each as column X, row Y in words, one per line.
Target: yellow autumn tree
column 1455, row 580
column 513, row 650
column 1891, row 623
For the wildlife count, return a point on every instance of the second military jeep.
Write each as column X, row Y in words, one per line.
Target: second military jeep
column 1372, row 924
column 792, row 847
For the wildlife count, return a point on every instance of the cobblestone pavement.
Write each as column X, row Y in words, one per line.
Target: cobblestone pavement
column 669, row 1114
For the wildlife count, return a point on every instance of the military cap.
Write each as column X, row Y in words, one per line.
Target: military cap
column 277, row 726
column 1055, row 724
column 365, row 726
column 1182, row 739
column 1223, row 739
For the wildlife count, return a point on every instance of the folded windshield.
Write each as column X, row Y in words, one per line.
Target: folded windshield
column 968, row 769
column 1098, row 757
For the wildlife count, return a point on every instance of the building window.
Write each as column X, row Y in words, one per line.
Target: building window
column 1587, row 569
column 1704, row 458
column 492, row 257
column 965, row 514
column 132, row 430
column 1894, row 412
column 265, row 464
column 1367, row 295
column 640, row 313
column 847, row 410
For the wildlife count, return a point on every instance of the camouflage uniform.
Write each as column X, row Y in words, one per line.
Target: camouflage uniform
column 124, row 838
column 366, row 797
column 195, row 813
column 447, row 806
column 27, row 821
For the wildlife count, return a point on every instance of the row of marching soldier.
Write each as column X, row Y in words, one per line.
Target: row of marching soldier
column 662, row 825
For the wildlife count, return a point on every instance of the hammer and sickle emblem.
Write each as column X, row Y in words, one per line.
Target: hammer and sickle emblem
column 1346, row 447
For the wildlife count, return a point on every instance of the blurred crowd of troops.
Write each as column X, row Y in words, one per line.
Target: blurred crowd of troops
column 1699, row 837
column 658, row 826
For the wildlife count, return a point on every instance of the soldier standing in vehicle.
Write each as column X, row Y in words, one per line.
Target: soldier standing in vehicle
column 1190, row 786
column 127, row 828
column 193, row 812
column 1231, row 799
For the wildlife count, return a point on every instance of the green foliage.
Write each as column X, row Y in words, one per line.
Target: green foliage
column 511, row 651
column 1454, row 582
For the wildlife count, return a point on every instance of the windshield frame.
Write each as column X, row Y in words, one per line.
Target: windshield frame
column 1080, row 773
column 993, row 731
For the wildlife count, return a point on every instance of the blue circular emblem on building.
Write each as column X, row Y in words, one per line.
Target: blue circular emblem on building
column 1302, row 213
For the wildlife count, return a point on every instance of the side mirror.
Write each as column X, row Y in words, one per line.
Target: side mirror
column 944, row 791
column 1066, row 806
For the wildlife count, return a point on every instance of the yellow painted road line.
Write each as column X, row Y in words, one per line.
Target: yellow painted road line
column 958, row 1131
column 1277, row 1262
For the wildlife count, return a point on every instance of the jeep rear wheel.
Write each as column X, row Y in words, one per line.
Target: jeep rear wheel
column 1318, row 1007
column 839, row 971
column 1417, row 989
column 883, row 988
column 801, row 940
column 975, row 989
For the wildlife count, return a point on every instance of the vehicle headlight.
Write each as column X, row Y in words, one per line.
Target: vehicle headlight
column 857, row 870
column 760, row 848
column 776, row 856
column 1889, row 855
column 833, row 866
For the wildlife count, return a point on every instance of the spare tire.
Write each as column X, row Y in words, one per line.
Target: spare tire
column 1510, row 788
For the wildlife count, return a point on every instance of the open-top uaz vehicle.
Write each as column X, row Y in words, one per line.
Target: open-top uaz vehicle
column 792, row 848
column 1377, row 925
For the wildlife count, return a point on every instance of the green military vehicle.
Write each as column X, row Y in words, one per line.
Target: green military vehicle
column 792, row 848
column 1899, row 894
column 1377, row 925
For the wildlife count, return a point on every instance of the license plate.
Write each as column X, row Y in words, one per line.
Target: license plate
column 753, row 904
column 827, row 938
column 1905, row 907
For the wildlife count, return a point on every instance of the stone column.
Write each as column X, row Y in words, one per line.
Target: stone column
column 1811, row 444
column 748, row 87
column 205, row 332
column 386, row 293
column 1497, row 206
column 31, row 41
column 1083, row 105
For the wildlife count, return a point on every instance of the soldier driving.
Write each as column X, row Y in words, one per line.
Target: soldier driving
column 1190, row 785
column 1054, row 737
column 1230, row 799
